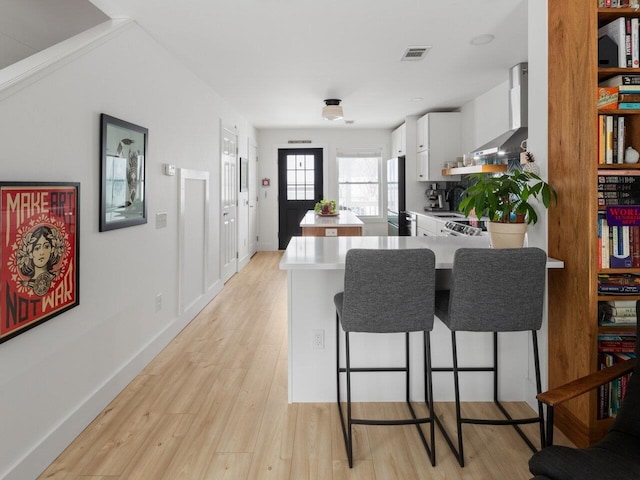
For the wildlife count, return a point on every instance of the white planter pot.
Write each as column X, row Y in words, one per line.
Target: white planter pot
column 507, row 235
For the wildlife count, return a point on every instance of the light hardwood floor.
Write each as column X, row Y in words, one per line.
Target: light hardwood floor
column 213, row 405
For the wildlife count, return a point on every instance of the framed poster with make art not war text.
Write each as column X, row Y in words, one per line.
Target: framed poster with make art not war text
column 39, row 247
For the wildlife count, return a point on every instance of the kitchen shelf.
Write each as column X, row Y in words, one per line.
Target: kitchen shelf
column 474, row 169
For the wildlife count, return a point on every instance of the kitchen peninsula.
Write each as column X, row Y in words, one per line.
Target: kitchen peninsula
column 315, row 273
column 344, row 223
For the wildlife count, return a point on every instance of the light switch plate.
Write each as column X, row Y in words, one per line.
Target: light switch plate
column 161, row 220
column 169, row 169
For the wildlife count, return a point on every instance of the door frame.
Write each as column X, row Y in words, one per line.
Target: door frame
column 328, row 166
column 227, row 272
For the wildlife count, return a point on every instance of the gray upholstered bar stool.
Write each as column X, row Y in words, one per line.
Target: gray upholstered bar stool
column 493, row 290
column 386, row 291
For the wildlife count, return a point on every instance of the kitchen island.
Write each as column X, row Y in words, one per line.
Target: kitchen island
column 315, row 273
column 345, row 223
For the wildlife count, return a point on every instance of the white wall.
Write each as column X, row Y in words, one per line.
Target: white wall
column 270, row 140
column 485, row 117
column 538, row 144
column 57, row 377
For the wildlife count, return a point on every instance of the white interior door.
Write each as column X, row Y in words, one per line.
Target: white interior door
column 229, row 204
column 253, row 199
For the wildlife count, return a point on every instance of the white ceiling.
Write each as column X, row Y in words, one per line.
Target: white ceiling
column 275, row 61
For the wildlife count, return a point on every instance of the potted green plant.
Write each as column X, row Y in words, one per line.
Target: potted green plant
column 504, row 200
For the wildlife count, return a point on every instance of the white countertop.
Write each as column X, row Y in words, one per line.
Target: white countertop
column 346, row 218
column 328, row 253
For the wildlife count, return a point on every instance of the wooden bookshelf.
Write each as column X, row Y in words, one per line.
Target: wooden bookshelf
column 573, row 76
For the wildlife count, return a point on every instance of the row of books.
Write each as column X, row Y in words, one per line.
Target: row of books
column 618, row 189
column 617, row 313
column 611, row 139
column 625, row 33
column 618, row 283
column 613, row 98
column 610, row 395
column 618, row 246
column 614, row 348
column 617, row 3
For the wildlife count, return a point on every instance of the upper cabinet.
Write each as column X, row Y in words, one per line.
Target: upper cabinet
column 399, row 141
column 437, row 142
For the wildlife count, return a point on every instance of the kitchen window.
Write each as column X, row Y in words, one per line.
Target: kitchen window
column 359, row 178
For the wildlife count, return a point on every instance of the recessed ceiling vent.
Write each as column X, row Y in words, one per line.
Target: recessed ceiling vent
column 415, row 53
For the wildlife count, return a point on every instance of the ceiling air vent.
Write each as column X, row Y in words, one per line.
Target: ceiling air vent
column 415, row 53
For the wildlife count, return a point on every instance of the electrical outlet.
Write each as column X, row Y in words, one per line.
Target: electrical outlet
column 158, row 302
column 330, row 232
column 318, row 339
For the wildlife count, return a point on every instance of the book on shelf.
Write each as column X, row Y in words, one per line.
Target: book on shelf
column 617, row 311
column 608, row 98
column 620, row 308
column 619, row 279
column 626, row 178
column 617, row 346
column 618, row 240
column 608, row 151
column 616, row 30
column 611, row 140
column 610, row 395
column 629, row 97
column 621, row 80
column 618, row 283
column 619, row 193
column 604, row 202
column 619, row 321
column 628, row 105
column 634, row 43
column 619, row 187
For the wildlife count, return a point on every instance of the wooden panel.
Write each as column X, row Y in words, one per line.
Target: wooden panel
column 572, row 223
column 321, row 231
column 475, row 169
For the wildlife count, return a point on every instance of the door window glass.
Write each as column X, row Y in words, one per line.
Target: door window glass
column 300, row 177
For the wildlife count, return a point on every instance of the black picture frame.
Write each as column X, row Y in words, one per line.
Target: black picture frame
column 40, row 253
column 123, row 150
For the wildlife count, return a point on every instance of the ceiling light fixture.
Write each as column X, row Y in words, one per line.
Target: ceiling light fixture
column 332, row 109
column 482, row 39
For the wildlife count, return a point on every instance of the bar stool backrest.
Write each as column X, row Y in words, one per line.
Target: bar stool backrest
column 497, row 290
column 388, row 290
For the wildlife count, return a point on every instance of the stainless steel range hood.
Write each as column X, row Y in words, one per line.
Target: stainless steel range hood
column 508, row 144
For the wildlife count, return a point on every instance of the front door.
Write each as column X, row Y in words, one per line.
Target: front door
column 299, row 188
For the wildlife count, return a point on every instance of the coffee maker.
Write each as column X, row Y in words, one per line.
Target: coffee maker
column 435, row 198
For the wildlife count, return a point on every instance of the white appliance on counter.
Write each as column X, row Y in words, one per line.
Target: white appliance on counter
column 450, row 224
column 461, row 227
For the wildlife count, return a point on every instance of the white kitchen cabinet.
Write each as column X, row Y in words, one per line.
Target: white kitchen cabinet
column 423, row 233
column 438, row 141
column 427, row 226
column 399, row 141
column 422, row 136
